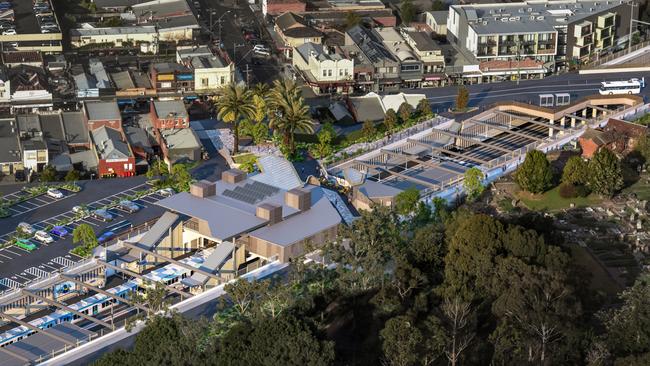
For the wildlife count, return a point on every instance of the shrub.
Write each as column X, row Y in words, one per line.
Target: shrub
column 582, row 191
column 568, row 190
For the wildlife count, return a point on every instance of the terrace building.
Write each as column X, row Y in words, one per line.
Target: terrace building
column 102, row 114
column 325, row 72
column 169, row 114
column 171, row 77
column 211, row 71
column 114, row 154
column 379, row 69
column 410, row 68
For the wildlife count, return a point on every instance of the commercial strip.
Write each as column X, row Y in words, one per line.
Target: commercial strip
column 495, row 141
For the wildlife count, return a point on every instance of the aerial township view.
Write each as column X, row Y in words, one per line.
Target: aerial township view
column 324, row 182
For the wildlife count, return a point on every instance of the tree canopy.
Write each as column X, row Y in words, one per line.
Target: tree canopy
column 605, row 173
column 534, row 175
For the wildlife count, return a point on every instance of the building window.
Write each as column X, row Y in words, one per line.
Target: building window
column 340, row 72
column 329, row 72
column 31, row 155
column 324, row 73
column 223, row 80
column 346, row 72
column 204, row 82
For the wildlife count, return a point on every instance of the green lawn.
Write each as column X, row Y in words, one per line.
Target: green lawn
column 551, row 200
column 242, row 158
column 641, row 188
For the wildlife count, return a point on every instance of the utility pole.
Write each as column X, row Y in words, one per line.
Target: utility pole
column 247, row 75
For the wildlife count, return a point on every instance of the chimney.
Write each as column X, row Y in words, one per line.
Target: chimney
column 203, row 189
column 233, row 176
column 270, row 212
column 298, row 198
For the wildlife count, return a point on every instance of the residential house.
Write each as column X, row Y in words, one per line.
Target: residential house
column 295, row 31
column 430, row 53
column 437, row 21
column 169, row 114
column 102, row 114
column 11, row 158
column 325, row 72
column 114, row 154
column 617, row 135
column 366, row 46
column 211, row 71
column 171, row 77
column 411, row 68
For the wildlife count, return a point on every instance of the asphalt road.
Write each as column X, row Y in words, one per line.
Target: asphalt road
column 527, row 91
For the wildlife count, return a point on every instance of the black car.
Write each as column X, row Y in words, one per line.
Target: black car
column 19, row 175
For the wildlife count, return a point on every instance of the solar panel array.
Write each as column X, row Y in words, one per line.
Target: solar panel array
column 251, row 192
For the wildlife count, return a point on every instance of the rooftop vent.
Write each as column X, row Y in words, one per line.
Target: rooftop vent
column 203, row 189
column 297, row 198
column 233, row 176
column 270, row 212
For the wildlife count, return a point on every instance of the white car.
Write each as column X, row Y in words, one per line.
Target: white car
column 261, row 52
column 80, row 210
column 260, row 47
column 166, row 192
column 54, row 193
column 43, row 237
column 25, row 228
column 9, row 32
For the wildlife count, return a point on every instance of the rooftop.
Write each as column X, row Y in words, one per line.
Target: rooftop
column 170, row 108
column 98, row 111
column 109, row 144
column 423, row 42
column 318, row 51
column 439, row 16
column 10, row 151
column 122, row 80
column 76, row 131
column 370, row 44
column 530, row 16
column 20, row 57
column 180, row 138
column 86, row 32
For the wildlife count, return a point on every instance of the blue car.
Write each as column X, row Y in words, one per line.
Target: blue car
column 59, row 231
column 105, row 237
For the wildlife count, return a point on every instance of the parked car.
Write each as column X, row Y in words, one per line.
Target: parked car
column 19, row 175
column 262, row 52
column 80, row 210
column 43, row 237
column 166, row 192
column 59, row 231
column 54, row 193
column 26, row 244
column 128, row 206
column 102, row 214
column 25, row 228
column 105, row 237
column 9, row 32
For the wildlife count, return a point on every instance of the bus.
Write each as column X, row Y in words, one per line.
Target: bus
column 632, row 86
column 25, row 244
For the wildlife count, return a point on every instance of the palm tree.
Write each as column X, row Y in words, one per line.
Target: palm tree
column 235, row 104
column 261, row 89
column 295, row 118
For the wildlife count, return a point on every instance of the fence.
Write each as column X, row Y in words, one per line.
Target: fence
column 602, row 60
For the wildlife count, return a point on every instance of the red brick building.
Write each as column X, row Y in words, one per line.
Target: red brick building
column 114, row 155
column 102, row 114
column 169, row 114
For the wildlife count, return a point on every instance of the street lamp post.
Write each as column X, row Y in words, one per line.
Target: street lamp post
column 216, row 21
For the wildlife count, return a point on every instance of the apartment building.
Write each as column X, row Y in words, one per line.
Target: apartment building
column 325, row 72
column 558, row 31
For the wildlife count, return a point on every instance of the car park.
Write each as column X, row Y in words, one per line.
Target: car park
column 25, row 228
column 105, row 237
column 59, row 231
column 128, row 206
column 166, row 192
column 54, row 193
column 43, row 237
column 102, row 214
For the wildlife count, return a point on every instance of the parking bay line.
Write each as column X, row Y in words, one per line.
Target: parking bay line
column 14, row 253
column 5, row 256
column 21, row 249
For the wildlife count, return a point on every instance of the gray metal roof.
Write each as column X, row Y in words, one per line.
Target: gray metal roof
column 158, row 230
column 122, row 80
column 224, row 221
column 28, row 123
column 372, row 189
column 87, row 158
column 367, row 108
column 165, row 108
column 52, row 126
column 277, row 172
column 212, row 263
column 440, row 16
column 137, row 137
column 10, row 151
column 109, row 144
column 370, row 44
column 180, row 138
column 102, row 111
column 308, row 49
column 84, row 81
column 423, row 42
column 76, row 131
column 321, row 216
